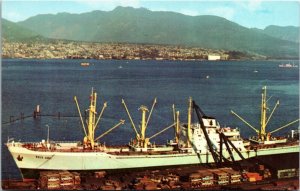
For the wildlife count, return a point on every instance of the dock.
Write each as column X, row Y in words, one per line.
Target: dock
column 191, row 177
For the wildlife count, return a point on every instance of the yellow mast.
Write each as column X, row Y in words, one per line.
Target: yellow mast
column 189, row 122
column 174, row 113
column 263, row 113
column 177, row 127
column 91, row 120
column 89, row 139
column 177, row 124
column 141, row 137
column 144, row 109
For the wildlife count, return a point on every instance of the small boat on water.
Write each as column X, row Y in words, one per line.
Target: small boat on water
column 288, row 65
column 85, row 64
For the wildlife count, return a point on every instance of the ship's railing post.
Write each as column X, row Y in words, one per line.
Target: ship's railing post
column 36, row 112
column 22, row 116
column 11, row 118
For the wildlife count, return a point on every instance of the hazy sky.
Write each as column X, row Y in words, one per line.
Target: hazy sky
column 255, row 13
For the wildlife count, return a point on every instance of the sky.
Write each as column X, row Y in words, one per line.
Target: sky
column 251, row 14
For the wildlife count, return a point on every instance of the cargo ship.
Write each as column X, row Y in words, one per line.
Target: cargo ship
column 195, row 143
column 288, row 65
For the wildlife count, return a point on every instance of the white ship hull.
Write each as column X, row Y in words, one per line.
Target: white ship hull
column 52, row 160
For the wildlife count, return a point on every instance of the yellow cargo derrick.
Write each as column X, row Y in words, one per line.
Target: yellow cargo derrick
column 262, row 135
column 142, row 140
column 89, row 139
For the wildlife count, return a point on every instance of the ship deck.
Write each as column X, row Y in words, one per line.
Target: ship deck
column 129, row 150
column 254, row 146
column 114, row 150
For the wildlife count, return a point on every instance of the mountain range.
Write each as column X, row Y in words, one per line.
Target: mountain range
column 289, row 33
column 14, row 32
column 130, row 25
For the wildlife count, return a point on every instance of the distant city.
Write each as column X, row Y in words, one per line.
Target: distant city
column 118, row 51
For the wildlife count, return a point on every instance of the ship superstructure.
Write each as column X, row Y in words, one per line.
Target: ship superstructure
column 202, row 142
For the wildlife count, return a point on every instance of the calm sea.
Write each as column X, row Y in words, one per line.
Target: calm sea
column 217, row 87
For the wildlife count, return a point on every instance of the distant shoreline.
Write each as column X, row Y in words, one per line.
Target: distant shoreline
column 122, row 51
column 92, row 59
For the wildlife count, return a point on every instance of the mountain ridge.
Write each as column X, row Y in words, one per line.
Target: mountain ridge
column 131, row 25
column 290, row 33
column 14, row 32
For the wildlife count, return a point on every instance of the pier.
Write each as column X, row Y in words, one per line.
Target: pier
column 192, row 177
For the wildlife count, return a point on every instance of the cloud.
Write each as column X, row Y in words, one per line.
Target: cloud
column 254, row 5
column 12, row 16
column 189, row 12
column 251, row 6
column 225, row 12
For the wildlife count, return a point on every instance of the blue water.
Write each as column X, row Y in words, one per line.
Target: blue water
column 53, row 83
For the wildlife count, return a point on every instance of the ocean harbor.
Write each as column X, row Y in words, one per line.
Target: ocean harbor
column 153, row 95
